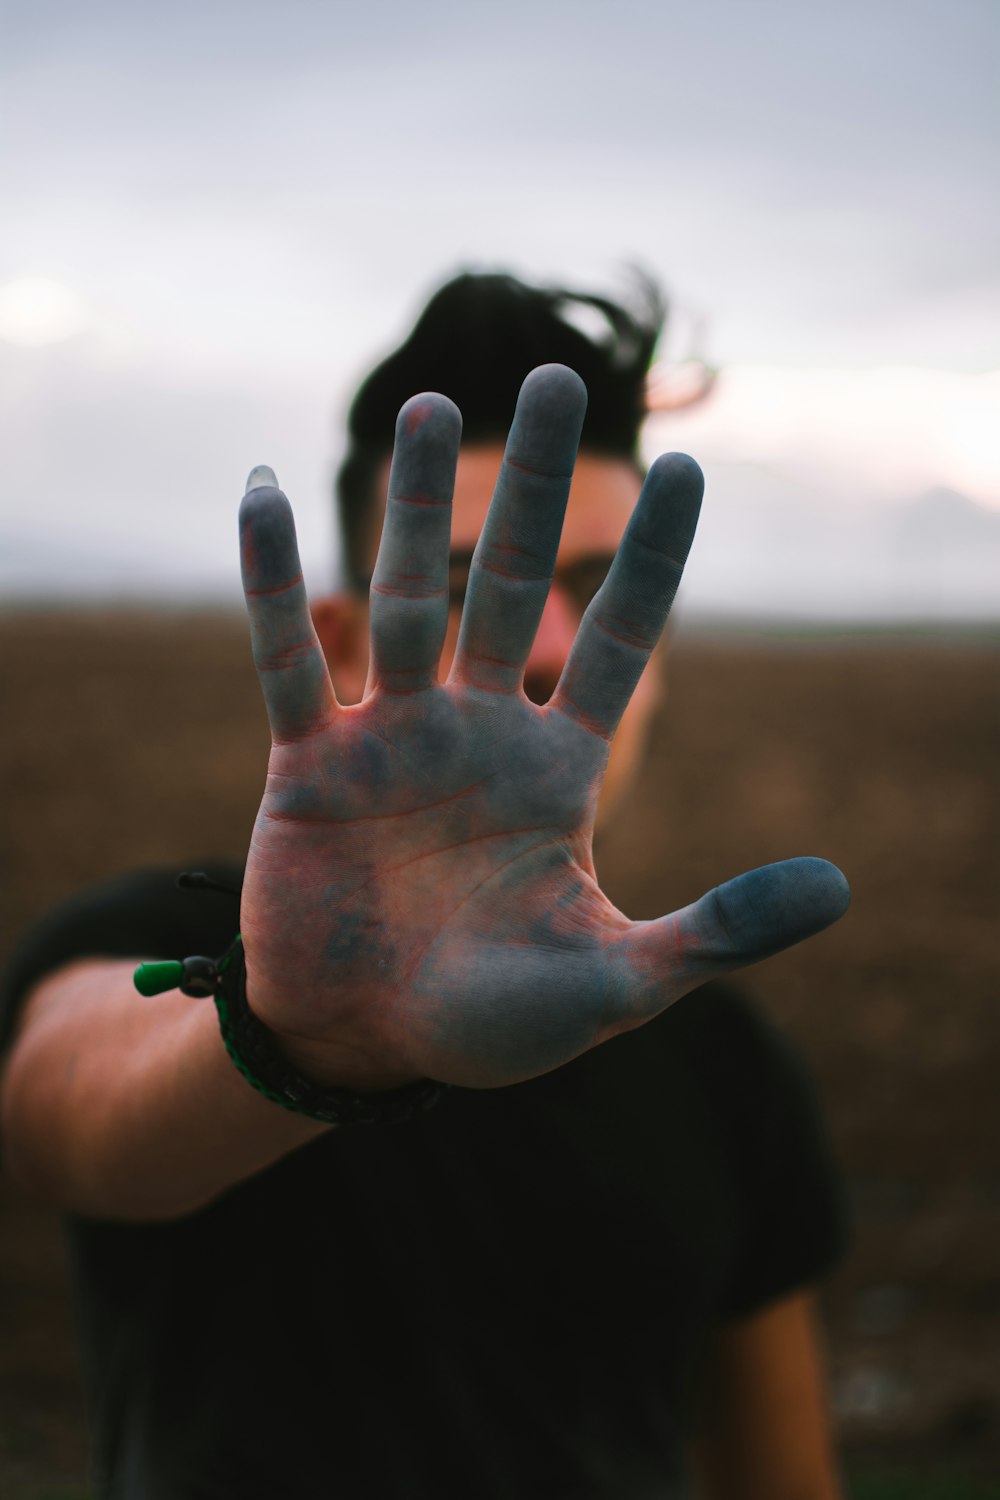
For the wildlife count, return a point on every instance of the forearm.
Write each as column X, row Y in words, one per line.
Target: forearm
column 765, row 1425
column 116, row 1106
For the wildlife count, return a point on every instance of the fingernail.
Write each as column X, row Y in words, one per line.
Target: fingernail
column 261, row 476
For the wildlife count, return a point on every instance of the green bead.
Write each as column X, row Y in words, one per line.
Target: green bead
column 154, row 978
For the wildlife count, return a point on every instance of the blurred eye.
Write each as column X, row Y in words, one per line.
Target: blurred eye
column 579, row 582
column 458, row 582
column 582, row 580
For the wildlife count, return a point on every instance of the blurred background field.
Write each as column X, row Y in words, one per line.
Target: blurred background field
column 138, row 738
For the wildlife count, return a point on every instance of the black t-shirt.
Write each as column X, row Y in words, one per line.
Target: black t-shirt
column 507, row 1297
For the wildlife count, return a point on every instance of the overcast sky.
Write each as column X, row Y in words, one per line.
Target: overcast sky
column 234, row 208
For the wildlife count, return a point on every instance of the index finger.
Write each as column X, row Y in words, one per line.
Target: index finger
column 290, row 663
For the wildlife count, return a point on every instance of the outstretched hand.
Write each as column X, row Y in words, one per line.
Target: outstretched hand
column 420, row 897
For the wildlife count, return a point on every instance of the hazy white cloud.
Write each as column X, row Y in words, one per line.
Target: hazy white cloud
column 853, row 436
column 251, row 201
column 35, row 310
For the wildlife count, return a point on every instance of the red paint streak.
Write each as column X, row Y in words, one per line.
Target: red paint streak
column 279, row 588
column 417, row 416
column 514, row 551
column 490, row 661
column 248, row 550
column 406, row 812
column 534, row 471
column 626, row 637
column 563, row 703
column 417, row 500
column 396, row 591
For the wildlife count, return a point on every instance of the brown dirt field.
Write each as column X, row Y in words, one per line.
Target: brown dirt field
column 133, row 739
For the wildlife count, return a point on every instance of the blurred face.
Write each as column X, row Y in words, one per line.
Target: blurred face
column 603, row 494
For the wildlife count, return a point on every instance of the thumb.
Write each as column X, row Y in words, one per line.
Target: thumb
column 760, row 913
column 735, row 924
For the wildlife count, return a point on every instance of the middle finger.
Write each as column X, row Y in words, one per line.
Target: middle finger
column 515, row 556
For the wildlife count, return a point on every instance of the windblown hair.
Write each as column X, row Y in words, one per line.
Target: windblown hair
column 475, row 341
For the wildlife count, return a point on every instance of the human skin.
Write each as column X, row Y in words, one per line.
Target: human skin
column 603, row 494
column 420, row 896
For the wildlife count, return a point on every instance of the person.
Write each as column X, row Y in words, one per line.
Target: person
column 575, row 1253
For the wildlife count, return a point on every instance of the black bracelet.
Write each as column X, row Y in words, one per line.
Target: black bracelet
column 256, row 1052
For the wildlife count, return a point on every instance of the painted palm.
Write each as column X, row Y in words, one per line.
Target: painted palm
column 420, row 890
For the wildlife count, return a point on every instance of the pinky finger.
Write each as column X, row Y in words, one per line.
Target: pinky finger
column 290, row 664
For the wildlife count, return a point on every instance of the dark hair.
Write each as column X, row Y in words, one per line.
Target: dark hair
column 475, row 341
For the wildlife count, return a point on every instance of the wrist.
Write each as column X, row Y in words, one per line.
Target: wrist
column 338, row 1066
column 257, row 1051
column 340, row 1084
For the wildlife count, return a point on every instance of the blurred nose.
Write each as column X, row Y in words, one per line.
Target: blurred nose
column 555, row 636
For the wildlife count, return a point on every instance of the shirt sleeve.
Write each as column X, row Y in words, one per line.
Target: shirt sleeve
column 791, row 1191
column 143, row 914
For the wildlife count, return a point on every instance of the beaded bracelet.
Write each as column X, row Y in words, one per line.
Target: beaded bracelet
column 256, row 1051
